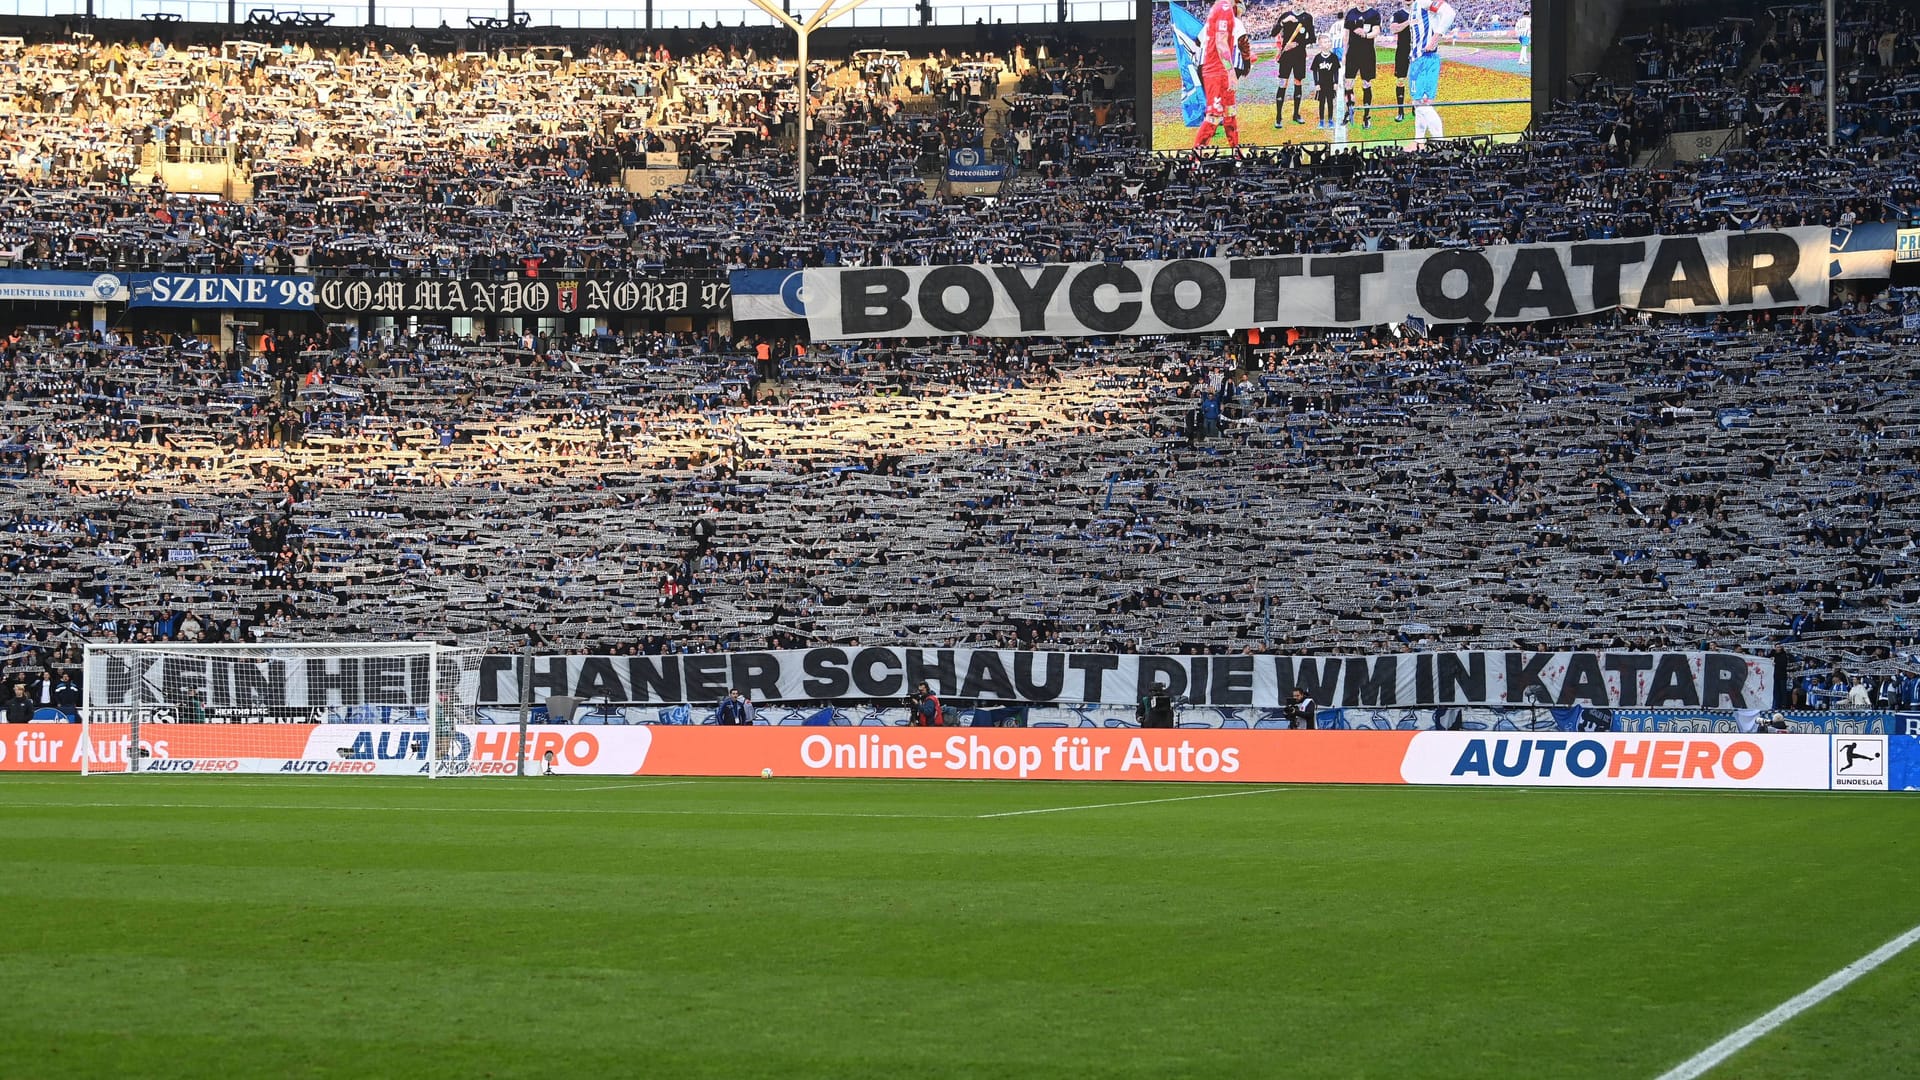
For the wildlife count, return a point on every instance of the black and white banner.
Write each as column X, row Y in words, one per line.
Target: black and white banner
column 269, row 688
column 1609, row 679
column 558, row 296
column 1726, row 271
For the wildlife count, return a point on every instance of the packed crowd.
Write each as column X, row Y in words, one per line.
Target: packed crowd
column 352, row 155
column 1594, row 484
column 1084, row 190
column 1737, row 73
column 1611, row 484
column 80, row 110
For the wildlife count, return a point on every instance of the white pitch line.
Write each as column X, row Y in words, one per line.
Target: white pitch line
column 630, row 787
column 1705, row 1060
column 1135, row 802
column 407, row 808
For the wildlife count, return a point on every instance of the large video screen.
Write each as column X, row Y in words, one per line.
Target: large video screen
column 1270, row 74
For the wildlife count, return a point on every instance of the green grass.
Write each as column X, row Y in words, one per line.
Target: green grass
column 1460, row 80
column 181, row 926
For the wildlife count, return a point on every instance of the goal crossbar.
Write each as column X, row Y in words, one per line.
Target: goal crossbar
column 278, row 707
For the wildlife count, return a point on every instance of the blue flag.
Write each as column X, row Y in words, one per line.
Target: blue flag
column 1187, row 30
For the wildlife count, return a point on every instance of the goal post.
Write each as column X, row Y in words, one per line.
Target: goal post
column 384, row 707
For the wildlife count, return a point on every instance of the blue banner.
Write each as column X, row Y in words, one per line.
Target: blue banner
column 61, row 285
column 1187, row 30
column 253, row 292
column 766, row 294
column 1798, row 721
column 1864, row 250
column 1903, row 768
column 968, row 165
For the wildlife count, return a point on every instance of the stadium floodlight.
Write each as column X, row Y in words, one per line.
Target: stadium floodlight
column 824, row 14
column 357, row 707
column 1832, row 71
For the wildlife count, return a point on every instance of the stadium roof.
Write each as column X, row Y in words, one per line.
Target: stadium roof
column 622, row 14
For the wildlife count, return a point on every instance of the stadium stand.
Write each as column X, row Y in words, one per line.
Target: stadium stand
column 1598, row 483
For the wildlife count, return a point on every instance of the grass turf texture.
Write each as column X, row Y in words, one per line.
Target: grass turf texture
column 1460, row 80
column 180, row 926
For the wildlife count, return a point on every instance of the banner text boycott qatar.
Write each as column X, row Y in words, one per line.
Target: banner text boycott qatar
column 1725, row 271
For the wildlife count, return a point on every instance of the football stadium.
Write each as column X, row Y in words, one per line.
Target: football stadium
column 1112, row 538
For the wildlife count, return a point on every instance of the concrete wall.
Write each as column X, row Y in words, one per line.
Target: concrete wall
column 652, row 182
column 204, row 178
column 1591, row 28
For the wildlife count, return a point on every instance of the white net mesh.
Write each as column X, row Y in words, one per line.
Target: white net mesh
column 352, row 707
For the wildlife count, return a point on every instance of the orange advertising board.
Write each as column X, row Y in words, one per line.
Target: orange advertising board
column 1188, row 754
column 1245, row 756
column 939, row 753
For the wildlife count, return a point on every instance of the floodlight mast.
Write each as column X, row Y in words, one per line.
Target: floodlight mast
column 826, row 13
column 1833, row 71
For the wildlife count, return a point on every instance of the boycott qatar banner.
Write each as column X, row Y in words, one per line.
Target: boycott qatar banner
column 1016, row 677
column 1806, row 762
column 1724, row 271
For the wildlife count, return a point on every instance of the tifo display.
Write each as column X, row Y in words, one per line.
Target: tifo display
column 1267, row 537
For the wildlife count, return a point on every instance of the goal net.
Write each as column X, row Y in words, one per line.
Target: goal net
column 364, row 707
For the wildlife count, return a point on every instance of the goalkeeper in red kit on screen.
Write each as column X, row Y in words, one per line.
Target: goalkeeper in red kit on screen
column 1226, row 53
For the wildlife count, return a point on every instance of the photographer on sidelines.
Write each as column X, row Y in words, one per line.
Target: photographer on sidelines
column 1155, row 707
column 1300, row 712
column 927, row 711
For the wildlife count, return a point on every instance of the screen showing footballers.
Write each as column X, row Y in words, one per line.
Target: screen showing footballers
column 1226, row 55
column 1229, row 75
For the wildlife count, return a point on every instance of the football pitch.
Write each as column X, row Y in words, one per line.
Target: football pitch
column 1488, row 72
column 308, row 927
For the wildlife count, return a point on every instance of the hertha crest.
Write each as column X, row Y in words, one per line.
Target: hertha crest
column 568, row 294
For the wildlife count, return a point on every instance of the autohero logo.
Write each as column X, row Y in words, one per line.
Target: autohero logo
column 479, row 750
column 358, row 767
column 471, row 768
column 1646, row 759
column 200, row 765
column 1616, row 760
column 1860, row 762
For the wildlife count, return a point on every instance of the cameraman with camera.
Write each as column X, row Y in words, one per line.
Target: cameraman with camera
column 926, row 708
column 1301, row 711
column 1155, row 708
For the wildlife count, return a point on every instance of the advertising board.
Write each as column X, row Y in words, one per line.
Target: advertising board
column 1802, row 762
